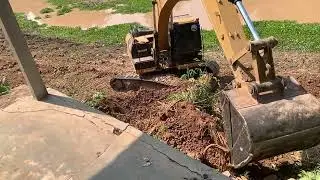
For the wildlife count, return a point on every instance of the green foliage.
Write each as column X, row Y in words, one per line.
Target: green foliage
column 96, row 99
column 193, row 73
column 120, row 6
column 46, row 10
column 310, row 175
column 110, row 36
column 4, row 88
column 291, row 35
column 64, row 10
column 210, row 40
column 203, row 94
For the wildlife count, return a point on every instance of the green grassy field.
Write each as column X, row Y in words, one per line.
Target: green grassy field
column 291, row 35
column 113, row 35
column 120, row 6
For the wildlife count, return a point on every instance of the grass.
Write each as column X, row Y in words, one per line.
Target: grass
column 310, row 175
column 193, row 73
column 291, row 35
column 46, row 10
column 96, row 99
column 4, row 88
column 120, row 6
column 63, row 10
column 202, row 94
column 110, row 36
column 210, row 40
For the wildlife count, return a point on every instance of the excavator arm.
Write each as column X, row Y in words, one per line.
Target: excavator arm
column 264, row 115
column 250, row 61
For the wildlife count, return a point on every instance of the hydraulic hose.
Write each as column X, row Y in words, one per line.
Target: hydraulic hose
column 246, row 18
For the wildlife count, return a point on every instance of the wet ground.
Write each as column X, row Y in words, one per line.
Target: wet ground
column 295, row 10
column 77, row 18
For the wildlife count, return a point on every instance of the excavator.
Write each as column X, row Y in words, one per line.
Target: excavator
column 264, row 114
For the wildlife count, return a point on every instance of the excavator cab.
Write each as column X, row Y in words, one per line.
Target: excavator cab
column 174, row 43
column 186, row 42
column 185, row 49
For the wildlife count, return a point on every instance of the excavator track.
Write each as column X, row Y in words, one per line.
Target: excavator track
column 131, row 83
column 134, row 83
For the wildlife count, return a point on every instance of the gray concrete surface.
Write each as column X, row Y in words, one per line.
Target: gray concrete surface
column 60, row 138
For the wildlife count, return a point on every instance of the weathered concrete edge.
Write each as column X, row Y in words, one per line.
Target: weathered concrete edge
column 176, row 156
column 172, row 154
column 94, row 114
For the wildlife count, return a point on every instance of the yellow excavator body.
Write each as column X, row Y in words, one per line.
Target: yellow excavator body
column 264, row 114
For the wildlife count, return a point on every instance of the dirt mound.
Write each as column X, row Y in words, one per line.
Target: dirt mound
column 179, row 124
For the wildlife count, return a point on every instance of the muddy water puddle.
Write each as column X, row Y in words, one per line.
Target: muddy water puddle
column 295, row 10
column 77, row 18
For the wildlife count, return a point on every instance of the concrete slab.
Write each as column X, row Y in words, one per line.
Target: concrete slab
column 60, row 138
column 138, row 156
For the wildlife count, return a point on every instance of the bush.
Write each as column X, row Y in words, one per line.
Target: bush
column 193, row 73
column 4, row 89
column 46, row 10
column 64, row 10
column 310, row 175
column 203, row 94
column 96, row 99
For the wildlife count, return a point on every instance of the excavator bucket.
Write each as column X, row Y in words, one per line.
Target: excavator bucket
column 271, row 125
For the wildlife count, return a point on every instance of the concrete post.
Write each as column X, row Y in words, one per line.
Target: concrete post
column 21, row 51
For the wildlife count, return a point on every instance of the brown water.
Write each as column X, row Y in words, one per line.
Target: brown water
column 303, row 11
column 296, row 10
column 77, row 18
column 193, row 8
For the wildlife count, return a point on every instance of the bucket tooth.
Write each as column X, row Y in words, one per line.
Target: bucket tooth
column 258, row 130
